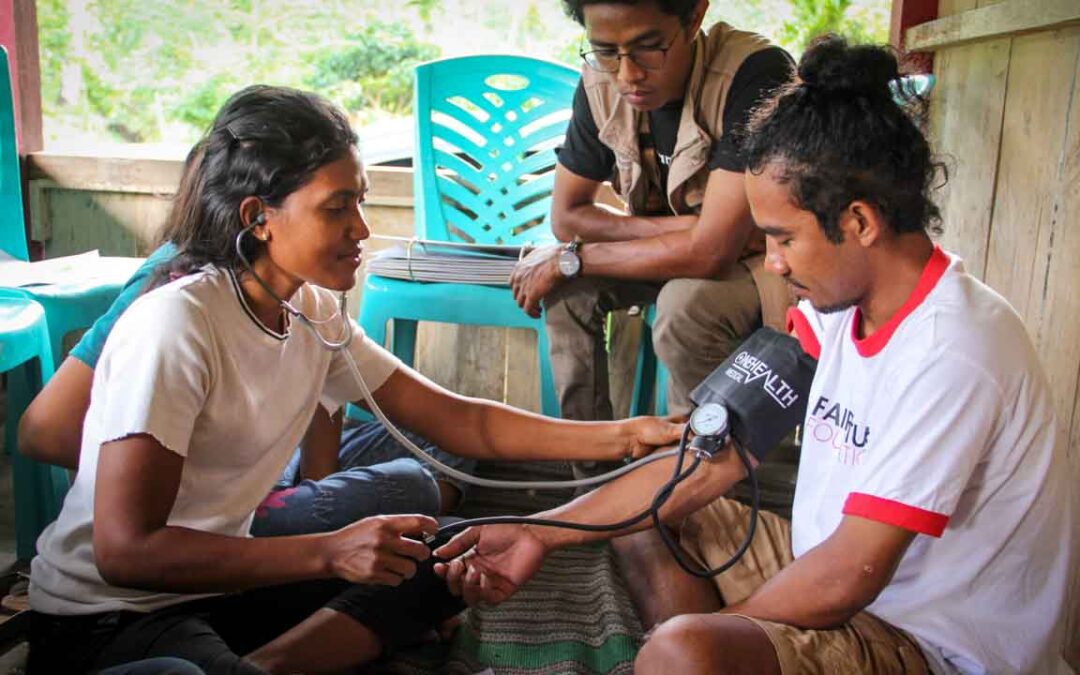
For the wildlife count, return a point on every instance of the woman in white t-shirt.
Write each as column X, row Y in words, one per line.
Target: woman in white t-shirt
column 203, row 390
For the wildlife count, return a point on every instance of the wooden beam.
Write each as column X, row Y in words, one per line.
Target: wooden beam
column 390, row 186
column 18, row 32
column 1012, row 18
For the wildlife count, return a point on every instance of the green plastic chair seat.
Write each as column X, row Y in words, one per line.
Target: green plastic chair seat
column 26, row 356
column 486, row 129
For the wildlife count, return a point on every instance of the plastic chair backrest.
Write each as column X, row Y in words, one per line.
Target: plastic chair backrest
column 12, row 224
column 486, row 130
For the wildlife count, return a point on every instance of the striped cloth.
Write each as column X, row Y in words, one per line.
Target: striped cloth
column 574, row 616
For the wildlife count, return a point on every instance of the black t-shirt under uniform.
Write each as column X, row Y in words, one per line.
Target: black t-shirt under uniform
column 758, row 76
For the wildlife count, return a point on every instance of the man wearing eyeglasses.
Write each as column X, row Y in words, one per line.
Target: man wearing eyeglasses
column 658, row 112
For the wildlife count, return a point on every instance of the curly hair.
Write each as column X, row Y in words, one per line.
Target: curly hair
column 837, row 135
column 684, row 9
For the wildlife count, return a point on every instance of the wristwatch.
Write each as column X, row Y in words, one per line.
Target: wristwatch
column 570, row 260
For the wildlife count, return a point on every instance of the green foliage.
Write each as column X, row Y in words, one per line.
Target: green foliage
column 157, row 71
column 813, row 18
column 52, row 17
column 372, row 69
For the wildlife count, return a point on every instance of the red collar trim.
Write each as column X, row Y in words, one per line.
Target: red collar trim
column 873, row 344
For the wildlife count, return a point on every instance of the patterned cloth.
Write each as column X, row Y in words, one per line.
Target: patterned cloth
column 574, row 616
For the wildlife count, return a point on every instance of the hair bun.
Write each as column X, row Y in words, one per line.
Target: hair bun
column 830, row 64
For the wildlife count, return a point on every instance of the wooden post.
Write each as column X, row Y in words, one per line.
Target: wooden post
column 908, row 13
column 19, row 34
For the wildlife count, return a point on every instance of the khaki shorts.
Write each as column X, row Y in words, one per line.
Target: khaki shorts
column 865, row 644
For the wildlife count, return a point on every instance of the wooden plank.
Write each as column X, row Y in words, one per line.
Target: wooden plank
column 965, row 121
column 390, row 186
column 469, row 360
column 108, row 174
column 522, row 384
column 1059, row 334
column 1033, row 132
column 951, row 7
column 1014, row 17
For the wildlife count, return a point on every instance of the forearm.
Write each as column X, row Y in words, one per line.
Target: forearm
column 600, row 222
column 633, row 493
column 505, row 432
column 183, row 560
column 666, row 256
column 823, row 588
column 320, row 446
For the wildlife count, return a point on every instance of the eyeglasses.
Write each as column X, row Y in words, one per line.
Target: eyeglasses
column 647, row 58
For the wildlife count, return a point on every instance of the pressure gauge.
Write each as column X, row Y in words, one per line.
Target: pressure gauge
column 710, row 419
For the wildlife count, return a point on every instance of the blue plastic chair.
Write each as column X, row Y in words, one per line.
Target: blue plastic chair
column 486, row 129
column 68, row 306
column 26, row 356
column 651, row 377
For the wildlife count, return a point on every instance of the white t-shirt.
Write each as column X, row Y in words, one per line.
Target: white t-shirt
column 190, row 365
column 941, row 422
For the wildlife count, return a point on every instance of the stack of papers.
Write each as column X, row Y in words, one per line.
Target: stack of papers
column 446, row 262
column 72, row 270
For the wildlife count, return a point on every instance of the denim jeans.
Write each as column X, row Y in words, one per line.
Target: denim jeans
column 376, row 476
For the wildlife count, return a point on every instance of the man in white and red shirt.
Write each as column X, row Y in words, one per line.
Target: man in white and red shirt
column 932, row 527
column 940, row 423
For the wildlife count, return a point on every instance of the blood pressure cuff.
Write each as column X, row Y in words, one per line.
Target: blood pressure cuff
column 764, row 385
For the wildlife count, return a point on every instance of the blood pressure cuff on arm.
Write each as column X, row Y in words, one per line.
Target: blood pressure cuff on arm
column 764, row 385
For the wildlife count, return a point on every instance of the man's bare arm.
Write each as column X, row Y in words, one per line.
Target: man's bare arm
column 711, row 245
column 833, row 581
column 577, row 213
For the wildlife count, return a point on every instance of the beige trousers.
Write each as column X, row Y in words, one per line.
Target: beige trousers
column 865, row 644
column 698, row 323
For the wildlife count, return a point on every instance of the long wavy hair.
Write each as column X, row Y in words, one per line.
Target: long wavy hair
column 265, row 142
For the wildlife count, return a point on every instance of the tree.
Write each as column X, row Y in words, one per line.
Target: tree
column 373, row 70
column 813, row 18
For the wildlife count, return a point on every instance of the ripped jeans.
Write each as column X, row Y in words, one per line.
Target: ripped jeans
column 377, row 476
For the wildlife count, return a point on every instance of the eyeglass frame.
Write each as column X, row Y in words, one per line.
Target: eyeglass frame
column 630, row 55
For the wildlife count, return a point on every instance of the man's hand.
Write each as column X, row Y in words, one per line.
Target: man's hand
column 490, row 562
column 536, row 275
column 376, row 551
column 646, row 434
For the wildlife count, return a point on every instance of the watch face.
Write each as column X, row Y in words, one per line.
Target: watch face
column 710, row 419
column 569, row 264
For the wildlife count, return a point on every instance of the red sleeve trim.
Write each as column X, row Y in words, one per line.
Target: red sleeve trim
column 895, row 513
column 796, row 321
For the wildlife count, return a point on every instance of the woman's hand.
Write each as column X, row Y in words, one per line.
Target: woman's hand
column 489, row 563
column 379, row 550
column 644, row 435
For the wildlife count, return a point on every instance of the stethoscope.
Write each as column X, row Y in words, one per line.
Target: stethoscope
column 711, row 435
column 334, row 345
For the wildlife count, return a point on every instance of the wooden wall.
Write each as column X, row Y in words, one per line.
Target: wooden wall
column 1006, row 117
column 118, row 206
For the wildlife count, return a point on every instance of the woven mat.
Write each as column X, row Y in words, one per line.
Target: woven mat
column 574, row 616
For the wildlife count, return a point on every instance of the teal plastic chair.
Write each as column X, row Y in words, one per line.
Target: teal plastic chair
column 486, row 129
column 26, row 356
column 68, row 306
column 651, row 377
